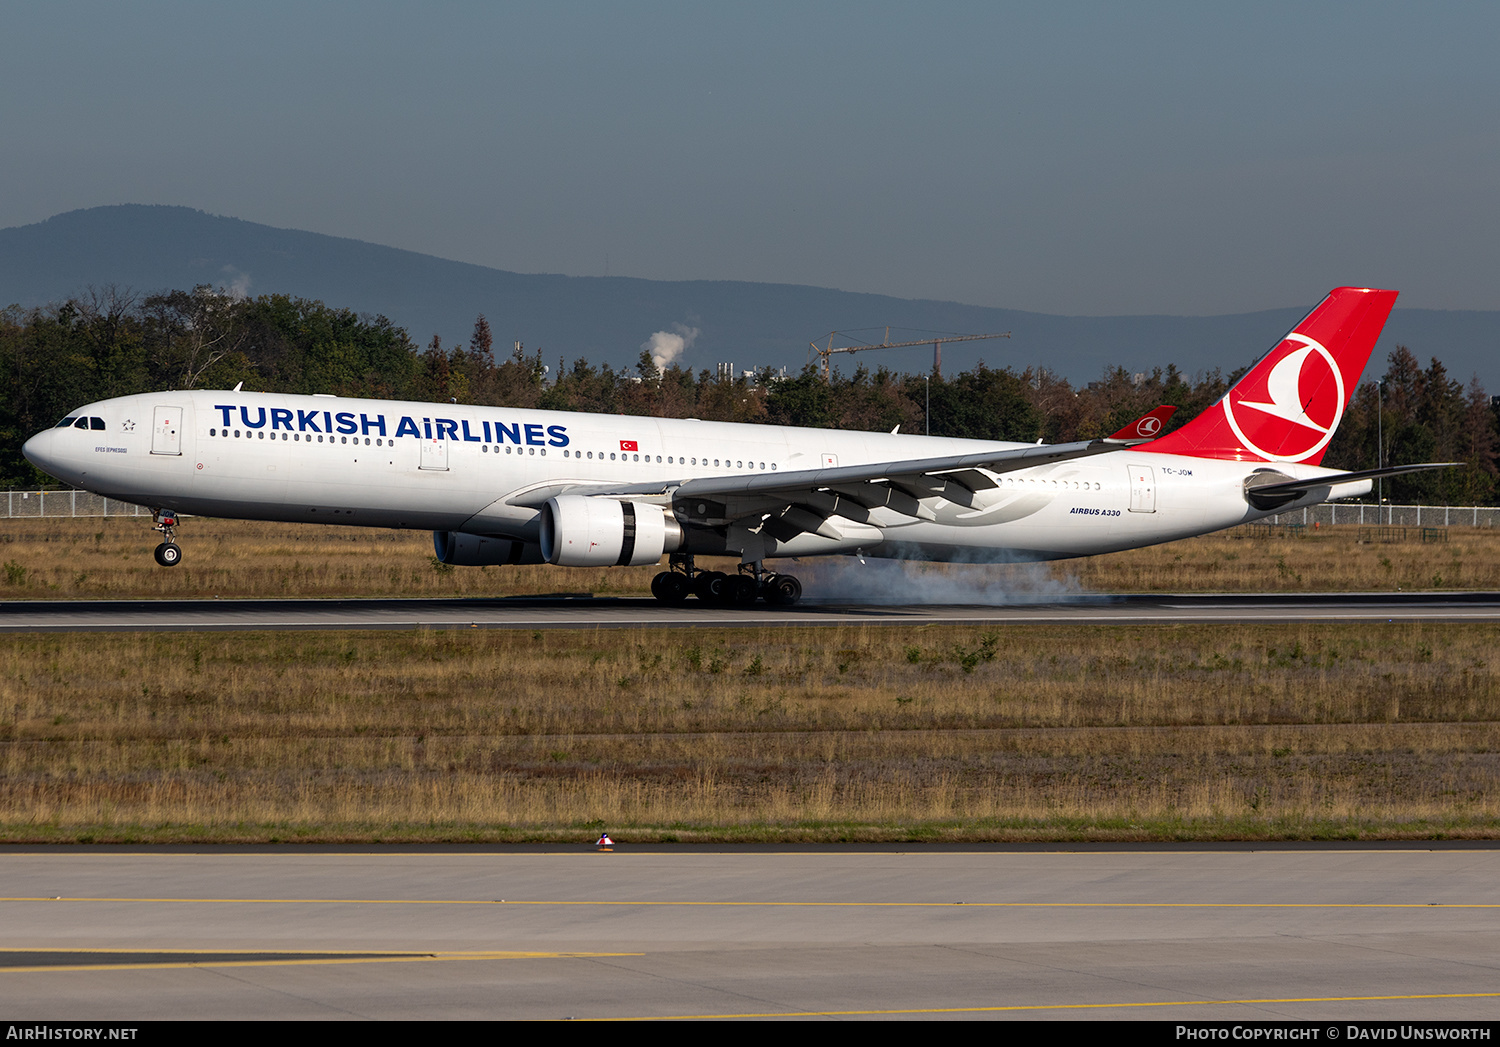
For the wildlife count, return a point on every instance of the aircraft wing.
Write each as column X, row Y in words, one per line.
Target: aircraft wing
column 807, row 497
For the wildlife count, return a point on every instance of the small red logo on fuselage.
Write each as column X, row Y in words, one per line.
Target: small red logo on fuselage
column 629, row 445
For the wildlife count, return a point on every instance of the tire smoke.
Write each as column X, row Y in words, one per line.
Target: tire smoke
column 847, row 579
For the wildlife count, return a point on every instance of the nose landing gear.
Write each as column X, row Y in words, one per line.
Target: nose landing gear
column 168, row 553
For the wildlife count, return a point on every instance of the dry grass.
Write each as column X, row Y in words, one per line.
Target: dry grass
column 1329, row 560
column 854, row 732
column 111, row 559
column 863, row 733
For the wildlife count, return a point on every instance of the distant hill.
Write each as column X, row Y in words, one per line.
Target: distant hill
column 606, row 319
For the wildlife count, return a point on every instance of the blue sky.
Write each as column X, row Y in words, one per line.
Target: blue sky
column 1067, row 158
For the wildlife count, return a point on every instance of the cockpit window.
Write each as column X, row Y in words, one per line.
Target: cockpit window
column 65, row 422
column 96, row 423
column 82, row 423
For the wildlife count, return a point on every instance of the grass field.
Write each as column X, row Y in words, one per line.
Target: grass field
column 865, row 733
column 111, row 558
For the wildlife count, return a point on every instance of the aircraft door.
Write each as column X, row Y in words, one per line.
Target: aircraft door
column 1142, row 489
column 434, row 455
column 166, row 431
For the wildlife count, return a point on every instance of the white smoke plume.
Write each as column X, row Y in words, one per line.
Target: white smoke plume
column 845, row 579
column 239, row 283
column 666, row 346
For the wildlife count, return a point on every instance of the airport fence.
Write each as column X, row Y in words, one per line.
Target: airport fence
column 20, row 505
column 1353, row 513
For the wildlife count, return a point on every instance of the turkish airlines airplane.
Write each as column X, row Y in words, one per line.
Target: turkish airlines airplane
column 501, row 486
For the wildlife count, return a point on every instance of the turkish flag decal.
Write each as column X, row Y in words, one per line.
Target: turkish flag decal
column 629, row 445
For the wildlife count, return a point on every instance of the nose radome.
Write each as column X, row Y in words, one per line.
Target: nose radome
column 50, row 454
column 37, row 450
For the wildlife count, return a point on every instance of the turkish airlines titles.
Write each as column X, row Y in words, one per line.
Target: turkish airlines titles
column 283, row 418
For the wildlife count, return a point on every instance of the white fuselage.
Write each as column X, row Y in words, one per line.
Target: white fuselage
column 486, row 470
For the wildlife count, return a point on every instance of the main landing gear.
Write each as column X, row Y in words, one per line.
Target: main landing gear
column 682, row 580
column 168, row 553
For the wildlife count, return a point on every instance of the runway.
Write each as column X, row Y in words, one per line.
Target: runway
column 1313, row 933
column 568, row 611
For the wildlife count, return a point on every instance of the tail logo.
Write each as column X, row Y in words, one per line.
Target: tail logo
column 1148, row 426
column 1292, row 413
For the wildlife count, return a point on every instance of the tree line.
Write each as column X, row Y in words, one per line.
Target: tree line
column 109, row 342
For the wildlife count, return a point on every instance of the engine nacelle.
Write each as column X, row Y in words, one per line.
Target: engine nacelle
column 475, row 550
column 582, row 531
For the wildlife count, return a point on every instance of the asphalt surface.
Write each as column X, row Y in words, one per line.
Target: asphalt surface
column 1313, row 933
column 586, row 612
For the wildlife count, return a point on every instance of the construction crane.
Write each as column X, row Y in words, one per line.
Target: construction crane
column 937, row 347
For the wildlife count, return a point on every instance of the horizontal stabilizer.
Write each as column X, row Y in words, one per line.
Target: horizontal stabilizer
column 1272, row 496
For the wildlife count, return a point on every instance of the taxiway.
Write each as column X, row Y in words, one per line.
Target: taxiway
column 1207, row 935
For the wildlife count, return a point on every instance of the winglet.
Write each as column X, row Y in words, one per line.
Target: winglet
column 1146, row 427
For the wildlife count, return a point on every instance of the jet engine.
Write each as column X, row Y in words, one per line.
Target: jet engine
column 477, row 550
column 583, row 531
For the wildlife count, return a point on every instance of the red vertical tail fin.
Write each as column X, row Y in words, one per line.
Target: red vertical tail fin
column 1286, row 407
